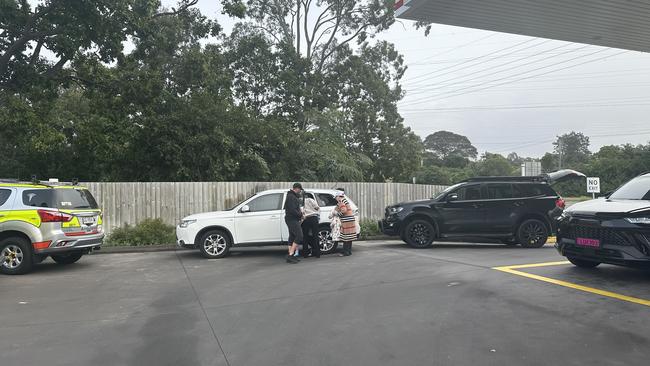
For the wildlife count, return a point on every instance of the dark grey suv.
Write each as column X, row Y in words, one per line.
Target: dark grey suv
column 515, row 210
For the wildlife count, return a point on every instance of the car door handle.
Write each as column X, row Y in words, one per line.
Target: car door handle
column 519, row 203
column 274, row 217
column 476, row 205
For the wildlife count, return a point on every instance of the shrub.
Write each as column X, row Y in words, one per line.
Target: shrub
column 369, row 228
column 147, row 232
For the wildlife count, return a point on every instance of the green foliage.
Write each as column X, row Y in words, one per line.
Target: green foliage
column 453, row 150
column 147, row 232
column 369, row 228
column 189, row 103
column 494, row 165
column 572, row 148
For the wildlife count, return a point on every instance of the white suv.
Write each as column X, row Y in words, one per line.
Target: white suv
column 257, row 221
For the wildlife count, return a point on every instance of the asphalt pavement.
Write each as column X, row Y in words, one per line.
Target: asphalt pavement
column 387, row 304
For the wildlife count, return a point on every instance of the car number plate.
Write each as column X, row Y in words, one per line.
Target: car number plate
column 586, row 242
column 88, row 220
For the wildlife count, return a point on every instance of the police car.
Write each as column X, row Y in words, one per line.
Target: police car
column 41, row 219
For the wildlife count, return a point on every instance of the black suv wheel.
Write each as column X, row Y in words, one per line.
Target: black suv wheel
column 532, row 233
column 419, row 234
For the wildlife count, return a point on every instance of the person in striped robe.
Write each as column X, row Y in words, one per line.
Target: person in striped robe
column 348, row 223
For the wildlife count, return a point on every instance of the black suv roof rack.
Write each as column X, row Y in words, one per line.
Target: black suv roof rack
column 536, row 178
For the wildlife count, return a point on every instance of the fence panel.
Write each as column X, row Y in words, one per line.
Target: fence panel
column 129, row 202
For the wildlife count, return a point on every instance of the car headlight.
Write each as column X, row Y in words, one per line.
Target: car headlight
column 638, row 220
column 394, row 210
column 186, row 223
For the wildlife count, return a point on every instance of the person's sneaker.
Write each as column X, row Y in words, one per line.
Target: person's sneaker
column 291, row 259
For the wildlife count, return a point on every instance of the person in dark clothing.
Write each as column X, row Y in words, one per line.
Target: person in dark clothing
column 310, row 228
column 292, row 217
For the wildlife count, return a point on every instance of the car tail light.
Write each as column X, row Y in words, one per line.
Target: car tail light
column 54, row 216
column 560, row 203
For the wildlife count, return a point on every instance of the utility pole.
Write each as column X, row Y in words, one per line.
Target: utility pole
column 560, row 151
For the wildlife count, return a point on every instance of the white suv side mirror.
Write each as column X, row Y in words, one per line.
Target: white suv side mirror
column 245, row 209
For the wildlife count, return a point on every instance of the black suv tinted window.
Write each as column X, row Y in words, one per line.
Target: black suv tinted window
column 4, row 195
column 499, row 191
column 69, row 199
column 326, row 199
column 469, row 193
column 532, row 190
column 267, row 202
column 636, row 189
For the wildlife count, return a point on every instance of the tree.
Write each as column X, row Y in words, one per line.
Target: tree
column 451, row 149
column 316, row 29
column 515, row 159
column 70, row 30
column 572, row 149
column 617, row 164
column 493, row 165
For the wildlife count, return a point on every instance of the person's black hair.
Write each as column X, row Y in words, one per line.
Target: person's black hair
column 340, row 189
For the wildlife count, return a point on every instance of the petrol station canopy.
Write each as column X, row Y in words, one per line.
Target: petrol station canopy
column 611, row 23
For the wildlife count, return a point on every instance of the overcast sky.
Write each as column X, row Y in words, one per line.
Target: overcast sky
column 514, row 93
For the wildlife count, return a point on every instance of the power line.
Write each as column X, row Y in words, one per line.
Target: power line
column 456, row 60
column 510, row 149
column 610, row 85
column 464, row 45
column 440, row 95
column 461, row 46
column 506, row 77
column 483, row 108
column 461, row 79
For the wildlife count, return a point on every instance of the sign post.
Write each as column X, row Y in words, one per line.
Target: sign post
column 593, row 186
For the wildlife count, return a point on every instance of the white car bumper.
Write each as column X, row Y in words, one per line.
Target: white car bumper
column 185, row 236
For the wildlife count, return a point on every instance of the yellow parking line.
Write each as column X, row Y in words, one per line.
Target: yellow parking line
column 532, row 265
column 513, row 270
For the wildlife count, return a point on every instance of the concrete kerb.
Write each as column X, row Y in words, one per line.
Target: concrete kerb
column 172, row 247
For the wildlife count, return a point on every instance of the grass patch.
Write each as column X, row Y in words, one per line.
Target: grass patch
column 369, row 228
column 147, row 232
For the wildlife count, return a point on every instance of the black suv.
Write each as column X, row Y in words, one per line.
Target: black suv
column 614, row 229
column 512, row 209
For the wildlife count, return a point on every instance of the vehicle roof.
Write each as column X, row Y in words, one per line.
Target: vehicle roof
column 38, row 186
column 314, row 190
column 532, row 179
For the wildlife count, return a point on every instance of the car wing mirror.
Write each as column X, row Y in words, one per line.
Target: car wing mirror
column 606, row 194
column 244, row 209
column 452, row 197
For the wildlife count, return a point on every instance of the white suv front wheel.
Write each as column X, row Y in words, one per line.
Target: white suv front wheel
column 214, row 244
column 327, row 246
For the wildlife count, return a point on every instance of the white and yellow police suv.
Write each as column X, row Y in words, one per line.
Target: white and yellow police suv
column 41, row 219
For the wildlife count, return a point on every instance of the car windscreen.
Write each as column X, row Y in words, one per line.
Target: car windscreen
column 240, row 202
column 65, row 199
column 447, row 190
column 636, row 189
